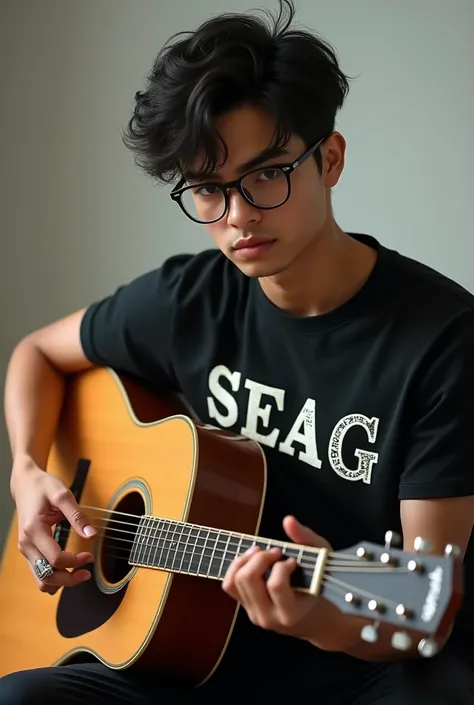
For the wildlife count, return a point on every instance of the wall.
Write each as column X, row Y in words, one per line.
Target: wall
column 78, row 218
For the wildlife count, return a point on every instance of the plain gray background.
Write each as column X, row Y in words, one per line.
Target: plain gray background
column 78, row 218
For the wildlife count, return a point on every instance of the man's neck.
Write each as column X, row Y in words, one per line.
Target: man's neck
column 329, row 273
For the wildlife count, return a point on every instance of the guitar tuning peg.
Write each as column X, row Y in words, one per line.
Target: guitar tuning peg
column 364, row 554
column 428, row 648
column 421, row 545
column 415, row 567
column 452, row 551
column 375, row 606
column 401, row 641
column 404, row 612
column 392, row 539
column 352, row 599
column 370, row 633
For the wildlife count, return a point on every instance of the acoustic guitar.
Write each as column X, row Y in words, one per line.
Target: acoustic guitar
column 175, row 501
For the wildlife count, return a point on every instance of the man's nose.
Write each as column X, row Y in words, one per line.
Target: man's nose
column 241, row 212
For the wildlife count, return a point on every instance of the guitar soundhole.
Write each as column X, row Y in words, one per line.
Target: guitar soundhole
column 118, row 536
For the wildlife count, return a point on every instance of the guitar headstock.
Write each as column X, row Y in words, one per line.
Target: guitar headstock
column 416, row 591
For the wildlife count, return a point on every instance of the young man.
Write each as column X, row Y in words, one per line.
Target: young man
column 349, row 363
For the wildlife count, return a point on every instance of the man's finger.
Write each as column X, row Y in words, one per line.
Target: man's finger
column 280, row 590
column 40, row 537
column 236, row 564
column 65, row 502
column 250, row 580
column 50, row 589
column 60, row 578
column 301, row 534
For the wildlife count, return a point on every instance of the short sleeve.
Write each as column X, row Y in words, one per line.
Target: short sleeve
column 130, row 331
column 440, row 457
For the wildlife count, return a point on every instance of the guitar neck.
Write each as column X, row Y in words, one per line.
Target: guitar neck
column 413, row 590
column 180, row 547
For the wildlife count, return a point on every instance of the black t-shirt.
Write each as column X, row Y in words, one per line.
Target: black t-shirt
column 356, row 409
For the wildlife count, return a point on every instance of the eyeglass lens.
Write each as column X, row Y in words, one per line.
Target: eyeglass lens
column 265, row 188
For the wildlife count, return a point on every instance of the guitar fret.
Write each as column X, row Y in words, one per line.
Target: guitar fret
column 224, row 551
column 307, row 558
column 211, row 571
column 155, row 541
column 245, row 544
column 203, row 565
column 164, row 543
column 189, row 555
column 195, row 558
column 179, row 547
column 143, row 524
column 200, row 553
column 185, row 547
column 141, row 539
column 146, row 541
column 159, row 539
column 291, row 552
column 171, row 548
column 136, row 542
column 233, row 551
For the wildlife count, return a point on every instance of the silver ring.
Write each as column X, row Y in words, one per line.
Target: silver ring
column 43, row 568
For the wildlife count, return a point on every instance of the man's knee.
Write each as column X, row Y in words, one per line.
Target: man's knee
column 445, row 680
column 27, row 688
column 450, row 680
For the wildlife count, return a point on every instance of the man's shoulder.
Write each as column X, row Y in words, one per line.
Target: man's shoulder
column 204, row 279
column 203, row 266
column 190, row 276
column 428, row 301
column 426, row 286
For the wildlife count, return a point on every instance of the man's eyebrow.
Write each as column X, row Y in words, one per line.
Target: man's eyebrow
column 269, row 153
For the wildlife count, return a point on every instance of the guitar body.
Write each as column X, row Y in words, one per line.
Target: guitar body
column 123, row 449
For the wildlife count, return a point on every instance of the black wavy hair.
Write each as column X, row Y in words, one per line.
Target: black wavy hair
column 231, row 60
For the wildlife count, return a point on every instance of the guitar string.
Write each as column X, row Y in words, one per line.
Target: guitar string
column 159, row 544
column 275, row 543
column 206, row 539
column 286, row 546
column 211, row 545
column 328, row 581
column 340, row 589
column 123, row 553
column 222, row 532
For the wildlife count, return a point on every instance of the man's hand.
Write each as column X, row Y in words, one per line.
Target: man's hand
column 273, row 603
column 42, row 500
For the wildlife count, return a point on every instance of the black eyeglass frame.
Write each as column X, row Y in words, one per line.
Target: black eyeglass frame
column 287, row 170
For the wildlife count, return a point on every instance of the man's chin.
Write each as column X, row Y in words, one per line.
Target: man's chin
column 258, row 270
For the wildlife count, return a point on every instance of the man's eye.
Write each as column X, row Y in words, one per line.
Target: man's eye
column 206, row 190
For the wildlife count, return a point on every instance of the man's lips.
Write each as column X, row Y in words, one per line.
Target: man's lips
column 251, row 242
column 252, row 247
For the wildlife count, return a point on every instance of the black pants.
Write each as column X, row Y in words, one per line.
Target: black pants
column 444, row 680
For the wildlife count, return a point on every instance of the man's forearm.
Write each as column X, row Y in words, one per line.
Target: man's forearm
column 34, row 392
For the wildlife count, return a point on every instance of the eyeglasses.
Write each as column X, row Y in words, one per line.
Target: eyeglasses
column 265, row 188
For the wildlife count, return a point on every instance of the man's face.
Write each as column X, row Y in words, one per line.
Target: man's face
column 275, row 238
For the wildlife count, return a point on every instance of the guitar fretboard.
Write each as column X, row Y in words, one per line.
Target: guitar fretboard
column 179, row 547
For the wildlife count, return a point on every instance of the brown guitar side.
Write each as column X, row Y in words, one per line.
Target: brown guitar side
column 135, row 442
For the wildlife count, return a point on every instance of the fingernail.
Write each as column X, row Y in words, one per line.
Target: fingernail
column 89, row 530
column 86, row 577
column 252, row 549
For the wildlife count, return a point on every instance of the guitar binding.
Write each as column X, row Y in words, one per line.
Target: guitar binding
column 112, row 568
